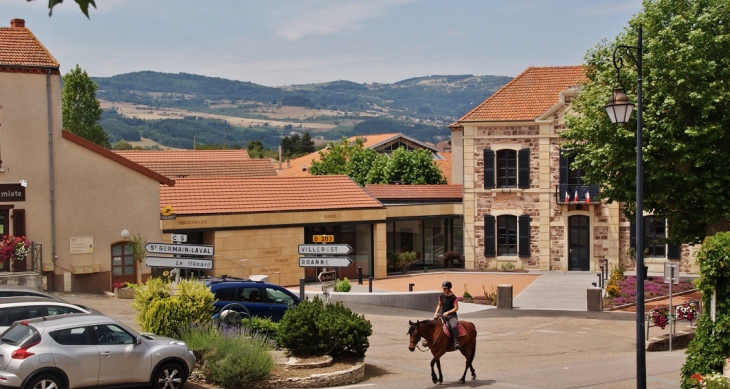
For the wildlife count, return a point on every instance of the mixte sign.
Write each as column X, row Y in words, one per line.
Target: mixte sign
column 12, row 192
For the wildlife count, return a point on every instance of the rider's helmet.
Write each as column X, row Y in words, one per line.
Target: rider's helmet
column 446, row 284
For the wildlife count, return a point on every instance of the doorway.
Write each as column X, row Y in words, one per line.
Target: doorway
column 124, row 268
column 579, row 243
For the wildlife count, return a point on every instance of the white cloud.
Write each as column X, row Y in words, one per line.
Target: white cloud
column 327, row 17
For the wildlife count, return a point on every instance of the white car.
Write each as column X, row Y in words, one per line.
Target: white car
column 13, row 309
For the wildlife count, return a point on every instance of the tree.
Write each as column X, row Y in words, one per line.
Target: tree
column 307, row 144
column 366, row 166
column 123, row 145
column 83, row 4
column 686, row 134
column 80, row 108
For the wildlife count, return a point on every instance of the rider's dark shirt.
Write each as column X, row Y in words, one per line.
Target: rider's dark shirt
column 447, row 302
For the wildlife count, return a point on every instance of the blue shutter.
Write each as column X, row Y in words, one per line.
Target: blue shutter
column 489, row 236
column 632, row 232
column 524, row 238
column 564, row 168
column 673, row 251
column 523, row 169
column 488, row 169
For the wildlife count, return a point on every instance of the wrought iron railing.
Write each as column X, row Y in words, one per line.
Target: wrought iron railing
column 576, row 194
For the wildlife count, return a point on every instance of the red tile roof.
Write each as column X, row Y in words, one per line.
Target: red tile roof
column 445, row 165
column 528, row 95
column 202, row 196
column 201, row 163
column 416, row 192
column 124, row 161
column 20, row 48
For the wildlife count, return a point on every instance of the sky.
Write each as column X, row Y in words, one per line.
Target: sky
column 286, row 42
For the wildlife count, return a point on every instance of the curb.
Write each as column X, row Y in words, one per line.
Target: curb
column 349, row 376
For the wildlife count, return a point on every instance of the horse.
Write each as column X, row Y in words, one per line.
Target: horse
column 432, row 331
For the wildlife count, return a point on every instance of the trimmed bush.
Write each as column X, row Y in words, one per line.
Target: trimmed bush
column 160, row 313
column 265, row 327
column 312, row 328
column 343, row 285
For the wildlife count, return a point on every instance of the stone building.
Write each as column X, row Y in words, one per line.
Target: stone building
column 524, row 204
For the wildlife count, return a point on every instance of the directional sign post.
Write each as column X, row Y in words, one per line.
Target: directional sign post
column 179, row 249
column 327, row 276
column 324, row 261
column 324, row 249
column 323, row 238
column 180, row 262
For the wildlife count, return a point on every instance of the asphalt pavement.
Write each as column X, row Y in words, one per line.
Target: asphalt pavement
column 547, row 341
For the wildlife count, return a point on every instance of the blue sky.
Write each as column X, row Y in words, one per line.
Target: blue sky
column 284, row 42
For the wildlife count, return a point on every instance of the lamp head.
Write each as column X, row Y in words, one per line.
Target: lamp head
column 619, row 107
column 125, row 234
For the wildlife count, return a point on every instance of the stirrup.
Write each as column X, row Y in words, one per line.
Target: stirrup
column 456, row 345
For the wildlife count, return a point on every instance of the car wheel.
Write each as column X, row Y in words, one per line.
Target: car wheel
column 169, row 376
column 45, row 381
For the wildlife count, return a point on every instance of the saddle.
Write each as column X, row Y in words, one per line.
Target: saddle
column 447, row 330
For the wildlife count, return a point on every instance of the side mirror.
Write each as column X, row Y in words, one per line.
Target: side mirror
column 137, row 340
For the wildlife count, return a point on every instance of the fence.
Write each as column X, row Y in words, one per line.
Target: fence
column 689, row 310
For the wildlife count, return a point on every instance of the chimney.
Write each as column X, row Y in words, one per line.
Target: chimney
column 17, row 23
column 280, row 158
column 287, row 164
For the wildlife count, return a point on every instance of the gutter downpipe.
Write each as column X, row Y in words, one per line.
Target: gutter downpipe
column 52, row 190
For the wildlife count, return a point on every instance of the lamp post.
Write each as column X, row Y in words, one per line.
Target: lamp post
column 619, row 111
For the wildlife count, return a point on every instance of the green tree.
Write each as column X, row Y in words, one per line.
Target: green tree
column 333, row 159
column 123, row 145
column 412, row 168
column 80, row 108
column 686, row 134
column 255, row 149
column 307, row 144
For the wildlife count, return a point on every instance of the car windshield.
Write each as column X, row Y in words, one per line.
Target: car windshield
column 19, row 334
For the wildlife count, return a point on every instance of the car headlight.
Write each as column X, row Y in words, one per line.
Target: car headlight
column 178, row 342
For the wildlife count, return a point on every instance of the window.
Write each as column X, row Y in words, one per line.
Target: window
column 112, row 334
column 61, row 310
column 507, row 235
column 654, row 235
column 225, row 294
column 506, row 169
column 502, row 236
column 72, row 336
column 23, row 313
column 279, row 297
column 250, row 294
column 568, row 175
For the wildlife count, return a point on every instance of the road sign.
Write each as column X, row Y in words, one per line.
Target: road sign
column 332, row 249
column 327, row 276
column 328, row 285
column 323, row 239
column 671, row 273
column 180, row 262
column 179, row 238
column 324, row 261
column 180, row 249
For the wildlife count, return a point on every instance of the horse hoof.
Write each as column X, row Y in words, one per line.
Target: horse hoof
column 461, row 381
column 435, row 382
column 473, row 377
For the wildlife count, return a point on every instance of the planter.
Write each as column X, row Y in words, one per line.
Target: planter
column 124, row 293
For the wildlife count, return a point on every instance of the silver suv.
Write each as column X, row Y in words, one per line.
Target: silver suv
column 87, row 350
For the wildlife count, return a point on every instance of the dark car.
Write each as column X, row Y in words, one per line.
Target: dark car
column 260, row 298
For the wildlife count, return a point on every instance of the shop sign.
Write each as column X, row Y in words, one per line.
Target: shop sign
column 12, row 192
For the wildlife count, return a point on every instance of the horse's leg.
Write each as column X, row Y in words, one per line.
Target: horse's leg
column 433, row 374
column 471, row 360
column 466, row 351
column 441, row 376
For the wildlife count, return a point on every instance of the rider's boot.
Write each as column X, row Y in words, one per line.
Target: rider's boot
column 456, row 345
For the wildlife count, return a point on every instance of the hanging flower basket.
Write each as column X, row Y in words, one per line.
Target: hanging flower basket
column 14, row 248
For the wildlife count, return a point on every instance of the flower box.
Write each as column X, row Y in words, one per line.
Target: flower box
column 124, row 293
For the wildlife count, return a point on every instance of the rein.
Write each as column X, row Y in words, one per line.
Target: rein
column 441, row 331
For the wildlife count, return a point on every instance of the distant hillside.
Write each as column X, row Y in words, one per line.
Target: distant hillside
column 420, row 107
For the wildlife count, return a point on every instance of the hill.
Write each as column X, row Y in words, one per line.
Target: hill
column 421, row 107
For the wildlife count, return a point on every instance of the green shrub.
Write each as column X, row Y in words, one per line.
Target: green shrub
column 507, row 266
column 312, row 328
column 162, row 314
column 343, row 285
column 265, row 327
column 230, row 357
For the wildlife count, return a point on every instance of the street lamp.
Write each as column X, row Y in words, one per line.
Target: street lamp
column 619, row 110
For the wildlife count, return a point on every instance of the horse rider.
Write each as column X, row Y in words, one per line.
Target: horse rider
column 447, row 307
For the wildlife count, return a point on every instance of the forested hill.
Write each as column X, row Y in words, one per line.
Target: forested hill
column 436, row 99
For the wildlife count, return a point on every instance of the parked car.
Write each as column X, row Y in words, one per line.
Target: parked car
column 74, row 351
column 261, row 299
column 13, row 309
column 9, row 291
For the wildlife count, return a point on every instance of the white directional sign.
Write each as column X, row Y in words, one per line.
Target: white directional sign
column 318, row 249
column 180, row 249
column 324, row 261
column 179, row 238
column 180, row 262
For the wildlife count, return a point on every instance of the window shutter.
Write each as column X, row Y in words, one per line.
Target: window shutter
column 19, row 222
column 524, row 238
column 489, row 236
column 523, row 168
column 673, row 251
column 488, row 169
column 564, row 168
column 632, row 232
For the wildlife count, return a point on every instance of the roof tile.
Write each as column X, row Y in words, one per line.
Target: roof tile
column 19, row 47
column 196, row 196
column 201, row 163
column 528, row 95
column 416, row 192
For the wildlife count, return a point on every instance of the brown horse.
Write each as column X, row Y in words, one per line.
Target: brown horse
column 436, row 339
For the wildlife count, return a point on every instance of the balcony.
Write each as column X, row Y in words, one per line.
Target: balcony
column 586, row 194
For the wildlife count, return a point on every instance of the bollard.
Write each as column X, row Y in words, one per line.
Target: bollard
column 600, row 280
column 594, row 300
column 504, row 296
column 594, row 284
column 359, row 275
column 370, row 284
column 301, row 289
column 410, row 287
